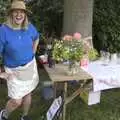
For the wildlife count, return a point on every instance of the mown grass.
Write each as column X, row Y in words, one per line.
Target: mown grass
column 107, row 109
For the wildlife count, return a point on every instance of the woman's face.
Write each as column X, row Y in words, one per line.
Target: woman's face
column 18, row 16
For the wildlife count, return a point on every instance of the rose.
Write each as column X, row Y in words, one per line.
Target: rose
column 67, row 37
column 77, row 36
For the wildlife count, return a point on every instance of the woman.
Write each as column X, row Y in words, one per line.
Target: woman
column 18, row 43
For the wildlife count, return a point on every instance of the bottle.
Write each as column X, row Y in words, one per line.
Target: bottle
column 51, row 61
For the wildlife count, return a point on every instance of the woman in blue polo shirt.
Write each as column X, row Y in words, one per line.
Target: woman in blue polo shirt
column 18, row 43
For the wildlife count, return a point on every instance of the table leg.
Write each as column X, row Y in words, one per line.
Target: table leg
column 65, row 96
column 55, row 89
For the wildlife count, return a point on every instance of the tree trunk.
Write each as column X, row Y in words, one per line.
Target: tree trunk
column 78, row 16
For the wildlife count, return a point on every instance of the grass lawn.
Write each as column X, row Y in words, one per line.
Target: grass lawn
column 108, row 109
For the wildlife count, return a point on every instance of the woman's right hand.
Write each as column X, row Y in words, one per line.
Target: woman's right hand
column 5, row 75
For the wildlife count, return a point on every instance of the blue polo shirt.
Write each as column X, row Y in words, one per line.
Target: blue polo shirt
column 16, row 46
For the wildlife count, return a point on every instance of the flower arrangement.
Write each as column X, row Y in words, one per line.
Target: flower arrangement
column 72, row 48
column 69, row 48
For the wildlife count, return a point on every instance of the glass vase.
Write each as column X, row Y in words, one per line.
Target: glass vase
column 73, row 68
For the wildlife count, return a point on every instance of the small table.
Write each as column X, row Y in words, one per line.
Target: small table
column 58, row 74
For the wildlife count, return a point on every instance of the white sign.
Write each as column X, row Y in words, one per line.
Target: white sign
column 54, row 108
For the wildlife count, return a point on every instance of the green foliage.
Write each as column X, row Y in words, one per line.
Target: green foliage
column 58, row 50
column 93, row 54
column 47, row 15
column 67, row 50
column 106, row 25
column 4, row 4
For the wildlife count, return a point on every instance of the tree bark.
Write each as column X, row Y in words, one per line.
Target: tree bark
column 78, row 16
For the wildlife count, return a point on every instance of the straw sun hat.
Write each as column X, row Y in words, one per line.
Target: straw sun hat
column 19, row 4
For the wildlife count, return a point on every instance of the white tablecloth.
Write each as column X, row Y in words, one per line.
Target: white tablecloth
column 105, row 76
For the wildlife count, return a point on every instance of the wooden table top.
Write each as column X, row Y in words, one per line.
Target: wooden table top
column 59, row 74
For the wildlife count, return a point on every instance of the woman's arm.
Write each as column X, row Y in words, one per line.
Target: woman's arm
column 35, row 44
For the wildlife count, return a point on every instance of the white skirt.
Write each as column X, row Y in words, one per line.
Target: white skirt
column 23, row 80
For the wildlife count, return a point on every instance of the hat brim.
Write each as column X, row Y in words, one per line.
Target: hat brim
column 26, row 10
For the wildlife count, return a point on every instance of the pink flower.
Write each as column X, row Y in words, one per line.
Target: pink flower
column 67, row 37
column 77, row 36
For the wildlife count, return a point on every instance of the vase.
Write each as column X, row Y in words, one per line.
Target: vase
column 73, row 68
